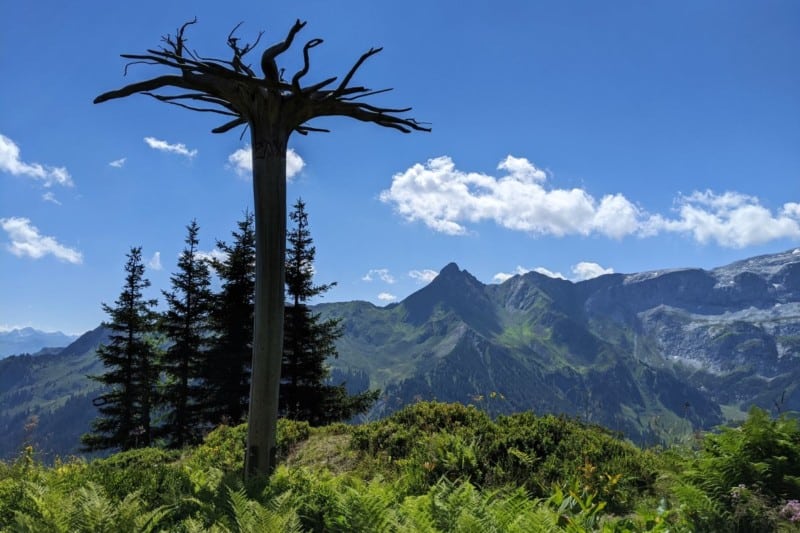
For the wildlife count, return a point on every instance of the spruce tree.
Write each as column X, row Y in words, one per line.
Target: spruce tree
column 309, row 341
column 131, row 374
column 227, row 370
column 185, row 325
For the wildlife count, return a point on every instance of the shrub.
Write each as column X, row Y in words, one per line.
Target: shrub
column 743, row 476
column 397, row 435
column 151, row 472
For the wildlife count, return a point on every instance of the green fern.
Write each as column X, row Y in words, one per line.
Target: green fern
column 249, row 516
column 706, row 512
column 363, row 508
column 87, row 510
column 41, row 510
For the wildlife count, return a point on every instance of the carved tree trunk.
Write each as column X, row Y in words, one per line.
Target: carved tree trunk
column 269, row 195
column 273, row 108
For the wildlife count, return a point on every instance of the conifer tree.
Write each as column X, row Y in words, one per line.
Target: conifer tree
column 185, row 325
column 309, row 341
column 227, row 369
column 131, row 374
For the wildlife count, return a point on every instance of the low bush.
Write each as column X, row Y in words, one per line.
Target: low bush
column 429, row 468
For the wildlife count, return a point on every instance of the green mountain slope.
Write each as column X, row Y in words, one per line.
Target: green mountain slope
column 653, row 355
column 525, row 344
column 47, row 399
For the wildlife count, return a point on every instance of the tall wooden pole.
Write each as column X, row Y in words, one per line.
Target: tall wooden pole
column 269, row 194
column 273, row 108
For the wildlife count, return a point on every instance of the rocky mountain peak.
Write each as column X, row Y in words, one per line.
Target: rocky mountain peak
column 451, row 269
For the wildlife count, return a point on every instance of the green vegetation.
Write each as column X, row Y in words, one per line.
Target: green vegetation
column 227, row 364
column 171, row 376
column 430, row 467
column 309, row 341
column 131, row 374
column 185, row 323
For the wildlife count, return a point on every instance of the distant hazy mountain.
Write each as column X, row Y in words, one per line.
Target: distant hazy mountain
column 29, row 340
column 653, row 354
column 46, row 399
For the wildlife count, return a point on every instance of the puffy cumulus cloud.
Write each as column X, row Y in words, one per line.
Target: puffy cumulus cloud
column 386, row 297
column 729, row 219
column 294, row 164
column 164, row 146
column 791, row 209
column 242, row 162
column 423, row 276
column 616, row 217
column 155, row 261
column 587, row 270
column 10, row 162
column 521, row 168
column 379, row 273
column 27, row 241
column 446, row 199
column 118, row 163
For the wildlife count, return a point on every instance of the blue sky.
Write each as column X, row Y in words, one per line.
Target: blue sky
column 571, row 137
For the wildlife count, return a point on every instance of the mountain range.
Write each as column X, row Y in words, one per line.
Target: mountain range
column 654, row 355
column 29, row 340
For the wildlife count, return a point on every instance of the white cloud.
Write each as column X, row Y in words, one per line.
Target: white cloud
column 381, row 273
column 50, row 197
column 11, row 163
column 791, row 209
column 587, row 270
column 616, row 217
column 581, row 271
column 242, row 162
column 155, row 261
column 522, row 169
column 386, row 297
column 26, row 241
column 216, row 253
column 118, row 163
column 294, row 163
column 730, row 219
column 164, row 146
column 446, row 199
column 501, row 277
column 549, row 273
column 423, row 276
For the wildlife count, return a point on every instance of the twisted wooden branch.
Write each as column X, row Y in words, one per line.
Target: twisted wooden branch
column 232, row 88
column 366, row 55
column 303, row 71
column 268, row 64
column 239, row 53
